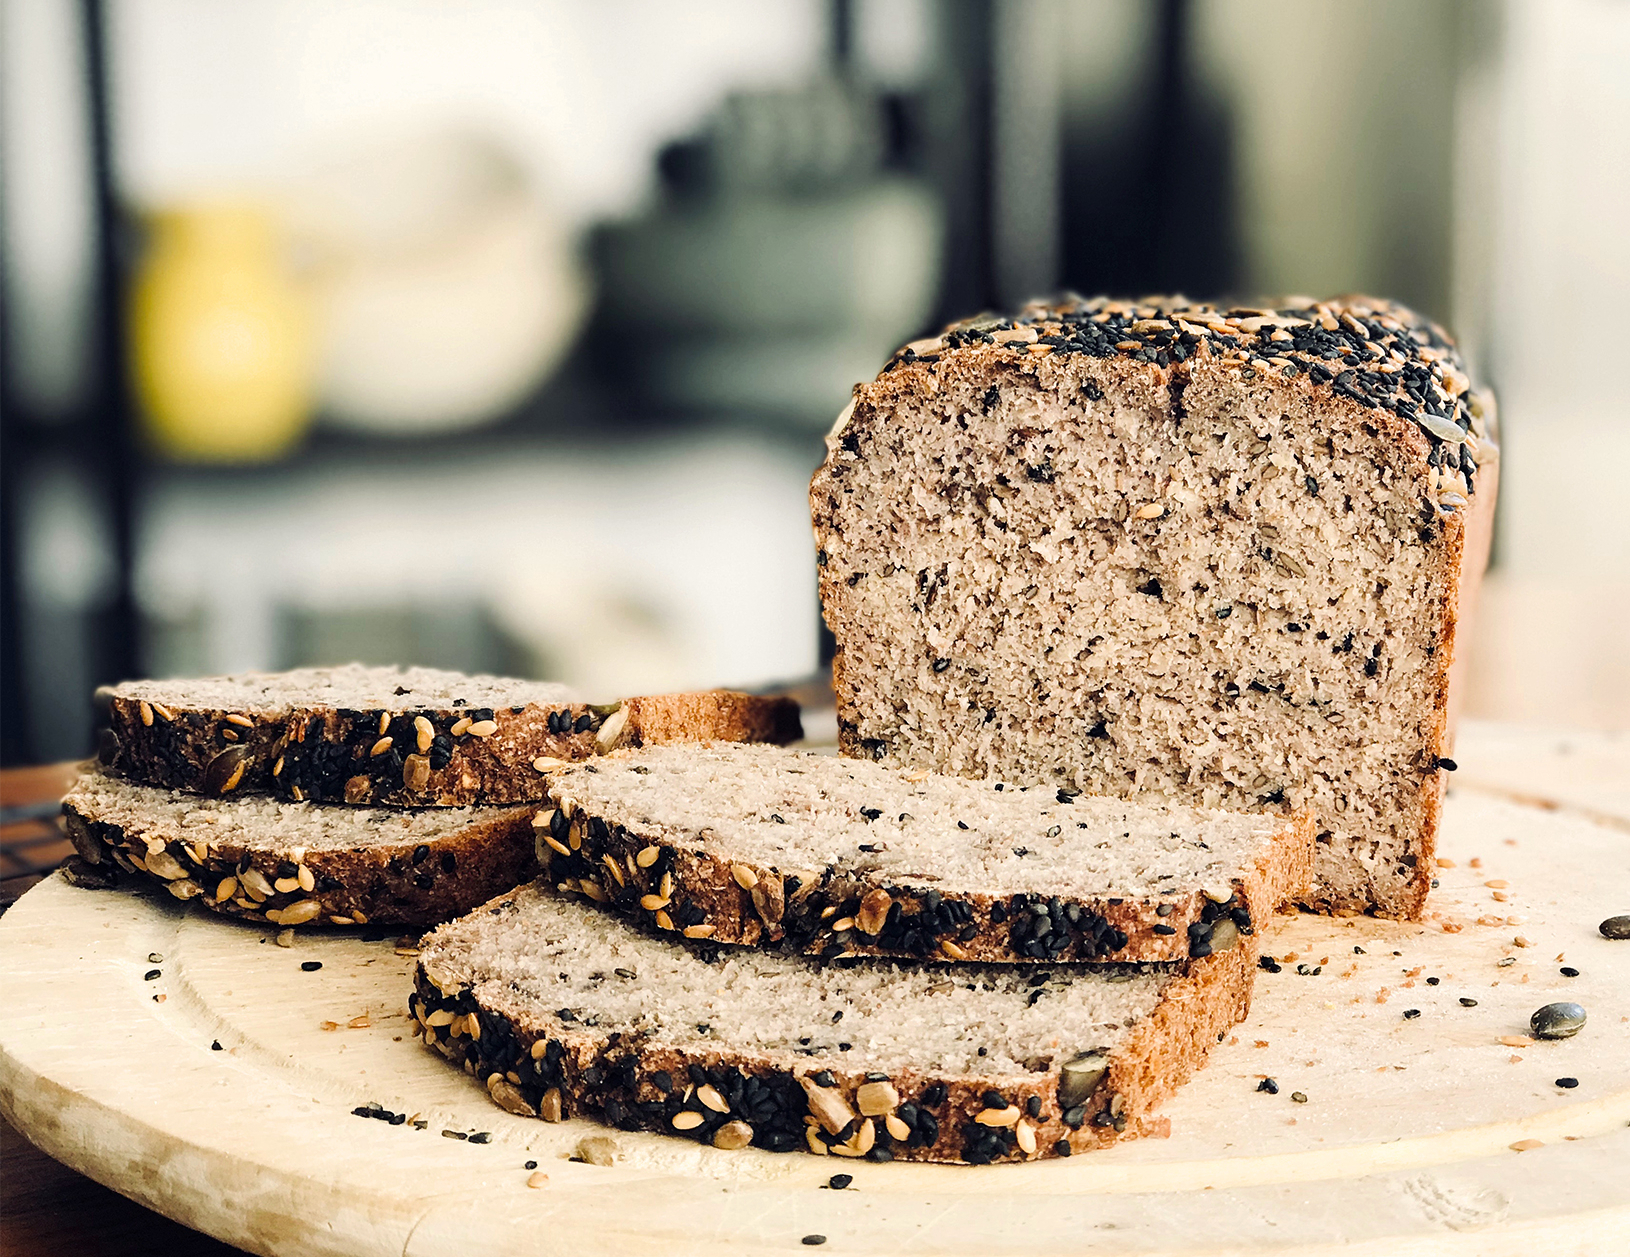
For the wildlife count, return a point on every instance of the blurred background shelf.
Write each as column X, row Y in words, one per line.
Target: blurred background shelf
column 503, row 335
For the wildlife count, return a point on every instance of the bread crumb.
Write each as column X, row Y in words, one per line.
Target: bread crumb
column 1452, row 927
column 1475, row 862
column 1261, row 1043
column 1520, row 941
column 1515, row 1059
column 328, row 1025
column 1527, row 1145
column 1381, row 995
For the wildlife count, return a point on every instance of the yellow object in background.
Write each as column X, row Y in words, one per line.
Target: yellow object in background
column 221, row 337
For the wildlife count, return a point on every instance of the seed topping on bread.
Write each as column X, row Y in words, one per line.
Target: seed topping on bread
column 1373, row 352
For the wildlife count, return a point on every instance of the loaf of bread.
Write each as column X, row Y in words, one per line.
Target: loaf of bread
column 835, row 857
column 563, row 1011
column 411, row 738
column 1164, row 549
column 262, row 859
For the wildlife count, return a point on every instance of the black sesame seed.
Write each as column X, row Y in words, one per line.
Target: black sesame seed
column 825, row 1079
column 1433, row 981
column 481, row 1137
column 813, row 1240
column 839, row 1181
column 1467, row 1001
column 215, row 1046
column 1411, row 1013
column 1062, row 1148
column 1567, row 1084
column 530, row 1165
column 1164, row 929
column 151, row 974
column 1268, row 1085
column 1568, row 971
column 935, row 1095
column 310, row 966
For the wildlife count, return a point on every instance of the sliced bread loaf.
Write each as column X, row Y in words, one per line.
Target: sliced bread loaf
column 562, row 1011
column 760, row 845
column 299, row 864
column 409, row 738
column 1163, row 548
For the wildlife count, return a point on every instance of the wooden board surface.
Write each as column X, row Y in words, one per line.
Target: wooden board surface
column 1403, row 1144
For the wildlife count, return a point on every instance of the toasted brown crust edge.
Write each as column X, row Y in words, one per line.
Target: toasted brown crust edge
column 413, row 885
column 578, row 1072
column 376, row 758
column 704, row 895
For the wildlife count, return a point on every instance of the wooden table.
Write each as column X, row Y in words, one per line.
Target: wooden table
column 45, row 1208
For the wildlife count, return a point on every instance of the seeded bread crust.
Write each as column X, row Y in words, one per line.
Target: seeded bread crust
column 544, row 1066
column 449, row 755
column 914, row 691
column 692, row 883
column 398, row 873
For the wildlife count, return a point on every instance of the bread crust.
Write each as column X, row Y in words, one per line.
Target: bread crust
column 408, row 884
column 1002, row 351
column 670, row 885
column 541, row 1066
column 409, row 758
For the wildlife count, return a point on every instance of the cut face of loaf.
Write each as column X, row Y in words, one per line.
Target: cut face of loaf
column 299, row 864
column 759, row 845
column 407, row 738
column 563, row 1011
column 1169, row 550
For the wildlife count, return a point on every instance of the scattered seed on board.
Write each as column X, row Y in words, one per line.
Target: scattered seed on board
column 1615, row 927
column 1567, row 1084
column 155, row 958
column 1557, row 1021
column 311, row 966
column 813, row 1240
column 839, row 1181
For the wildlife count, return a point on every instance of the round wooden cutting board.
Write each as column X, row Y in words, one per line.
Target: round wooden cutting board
column 197, row 1067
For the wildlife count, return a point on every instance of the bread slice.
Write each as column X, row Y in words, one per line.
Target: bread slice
column 1164, row 548
column 760, row 845
column 410, row 738
column 300, row 864
column 563, row 1011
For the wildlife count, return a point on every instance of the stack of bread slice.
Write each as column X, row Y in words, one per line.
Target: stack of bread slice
column 745, row 945
column 356, row 795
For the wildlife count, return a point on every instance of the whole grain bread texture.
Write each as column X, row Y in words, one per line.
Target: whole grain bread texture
column 415, row 737
column 564, row 1012
column 1159, row 548
column 287, row 864
column 764, row 846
